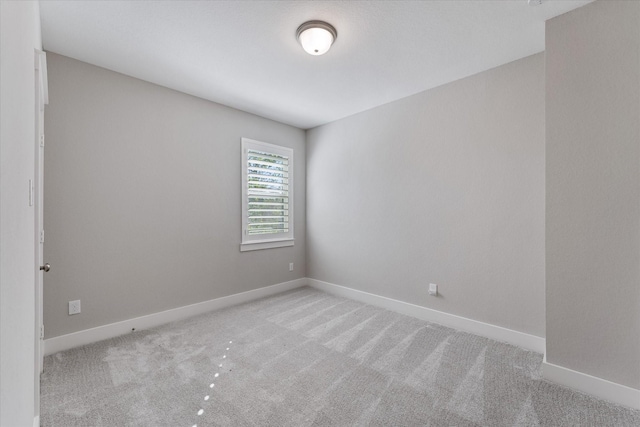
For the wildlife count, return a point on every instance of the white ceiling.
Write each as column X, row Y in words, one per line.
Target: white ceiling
column 244, row 53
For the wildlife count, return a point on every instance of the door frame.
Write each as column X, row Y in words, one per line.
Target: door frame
column 37, row 199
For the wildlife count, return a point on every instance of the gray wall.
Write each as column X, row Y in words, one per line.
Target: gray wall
column 20, row 34
column 447, row 187
column 142, row 199
column 593, row 191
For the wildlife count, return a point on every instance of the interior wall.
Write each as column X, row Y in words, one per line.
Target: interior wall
column 142, row 199
column 20, row 35
column 445, row 187
column 593, row 190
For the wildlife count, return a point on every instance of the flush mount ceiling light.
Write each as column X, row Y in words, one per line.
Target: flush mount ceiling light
column 316, row 37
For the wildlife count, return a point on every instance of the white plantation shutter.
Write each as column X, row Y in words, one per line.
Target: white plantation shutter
column 267, row 195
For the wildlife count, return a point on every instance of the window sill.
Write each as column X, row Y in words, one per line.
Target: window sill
column 254, row 246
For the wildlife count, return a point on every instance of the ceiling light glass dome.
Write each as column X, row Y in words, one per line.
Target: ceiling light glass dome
column 316, row 37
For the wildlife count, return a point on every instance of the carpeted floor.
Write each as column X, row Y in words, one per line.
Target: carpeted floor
column 305, row 358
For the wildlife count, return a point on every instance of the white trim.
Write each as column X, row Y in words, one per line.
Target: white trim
column 254, row 246
column 88, row 336
column 41, row 64
column 36, row 421
column 498, row 333
column 585, row 383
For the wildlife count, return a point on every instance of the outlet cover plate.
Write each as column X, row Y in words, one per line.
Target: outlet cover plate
column 433, row 289
column 74, row 307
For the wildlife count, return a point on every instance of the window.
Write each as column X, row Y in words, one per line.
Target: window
column 267, row 195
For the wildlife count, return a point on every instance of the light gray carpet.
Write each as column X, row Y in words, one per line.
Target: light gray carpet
column 305, row 358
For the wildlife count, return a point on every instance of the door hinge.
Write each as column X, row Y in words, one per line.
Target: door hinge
column 42, row 140
column 41, row 236
column 42, row 332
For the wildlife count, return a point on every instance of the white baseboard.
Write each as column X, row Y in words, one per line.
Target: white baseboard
column 585, row 383
column 88, row 336
column 36, row 421
column 498, row 333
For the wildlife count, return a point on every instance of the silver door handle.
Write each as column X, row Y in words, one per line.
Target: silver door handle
column 45, row 267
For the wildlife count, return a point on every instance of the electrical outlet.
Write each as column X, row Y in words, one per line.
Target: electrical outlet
column 290, row 266
column 74, row 307
column 433, row 289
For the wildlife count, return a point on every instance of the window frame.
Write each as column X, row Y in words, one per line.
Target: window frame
column 267, row 241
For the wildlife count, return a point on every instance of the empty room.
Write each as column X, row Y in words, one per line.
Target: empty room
column 320, row 213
